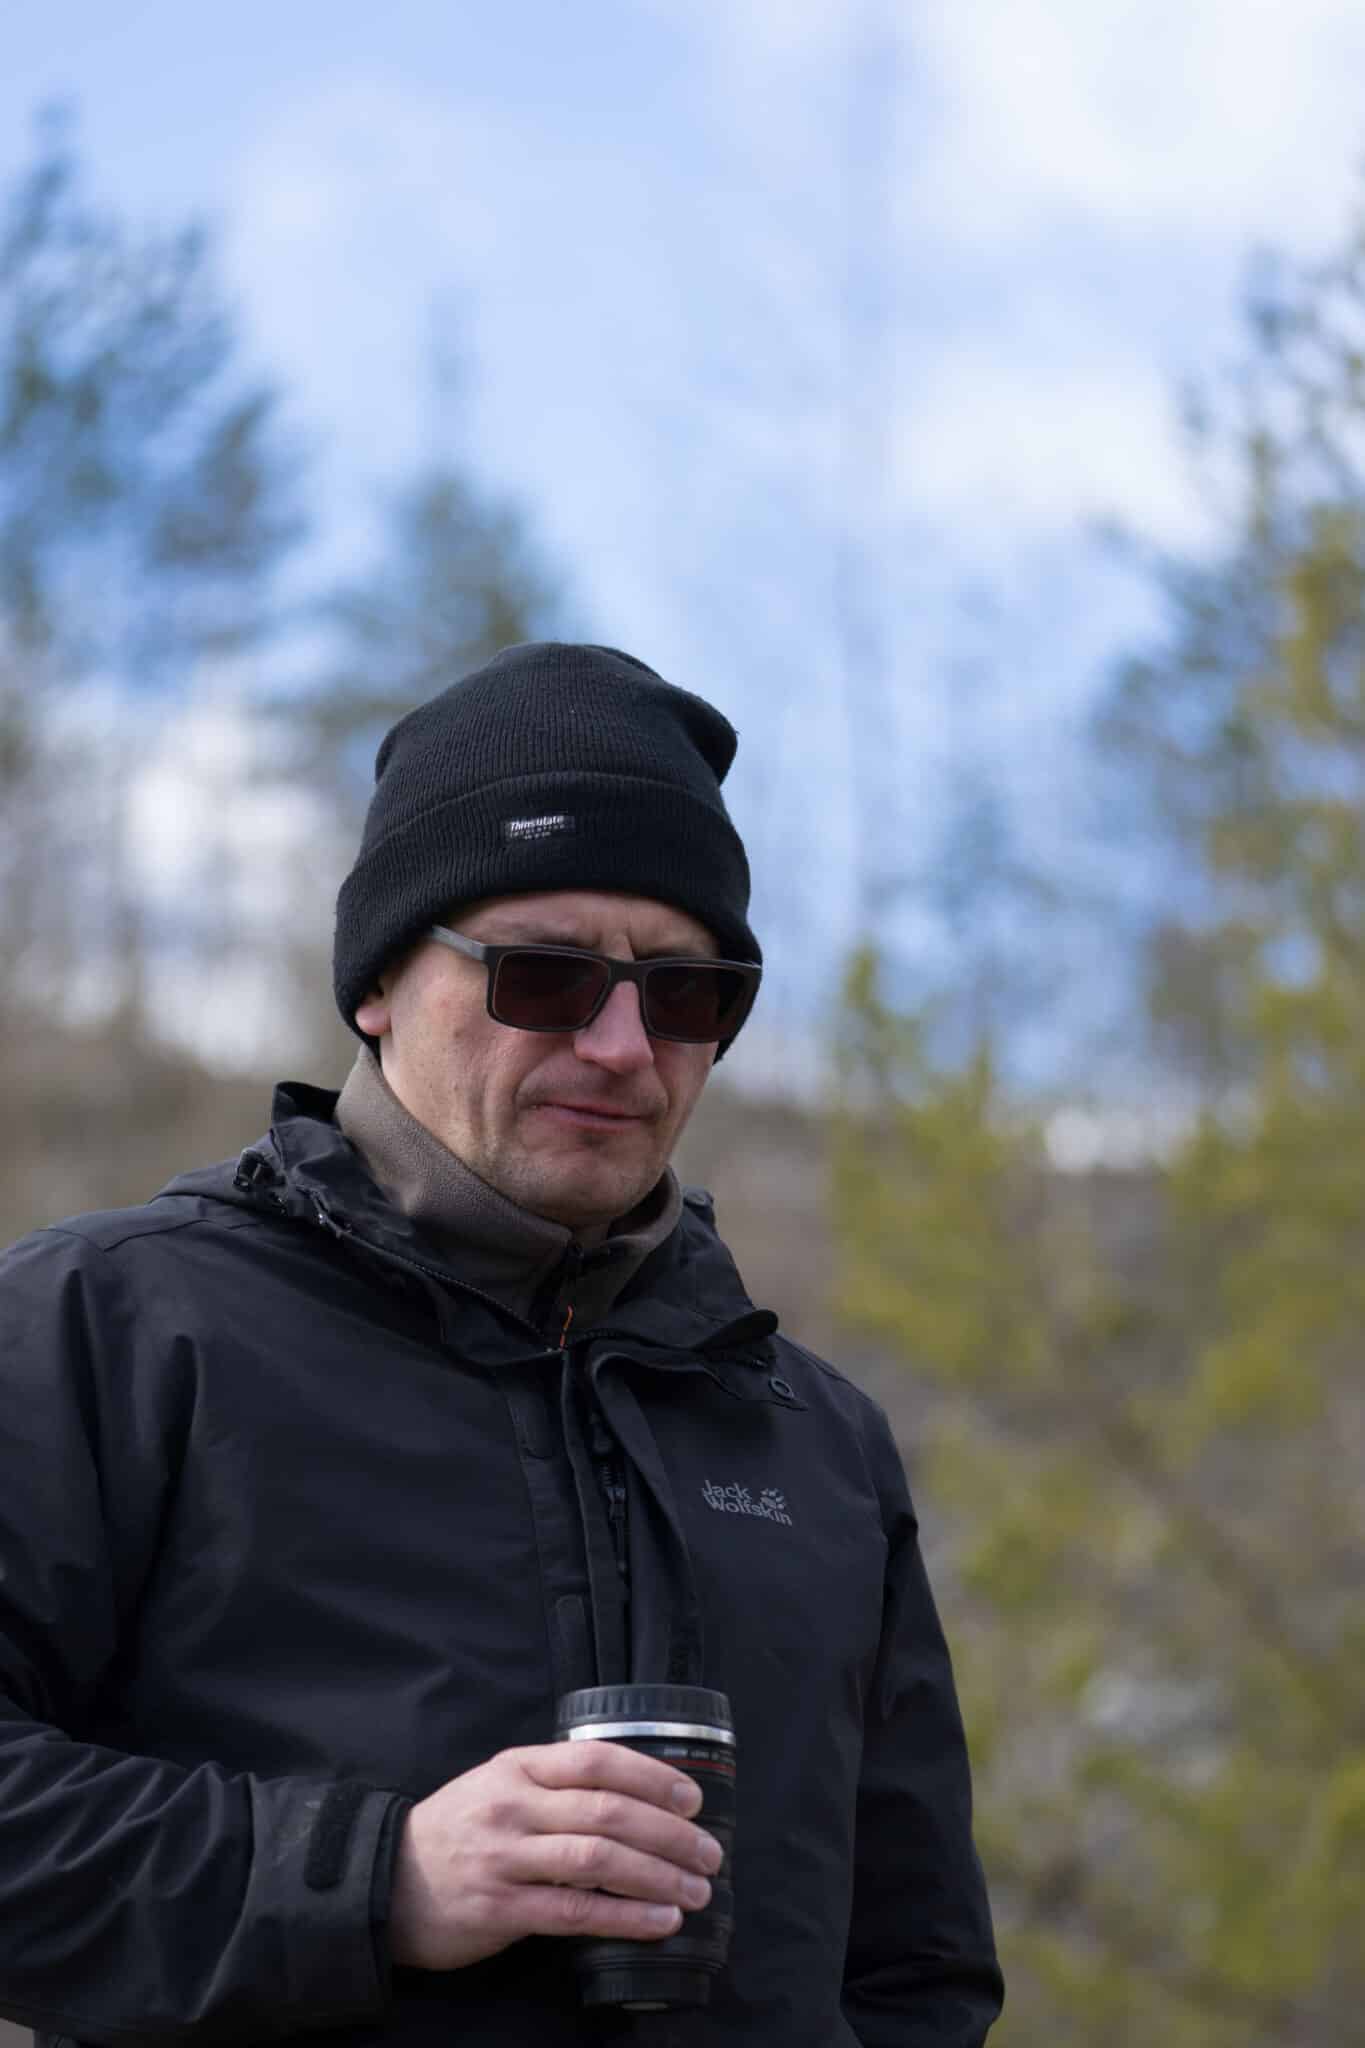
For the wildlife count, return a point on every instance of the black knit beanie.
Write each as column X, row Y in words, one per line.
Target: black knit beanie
column 553, row 766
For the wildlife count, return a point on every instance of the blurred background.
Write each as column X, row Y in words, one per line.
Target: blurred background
column 971, row 402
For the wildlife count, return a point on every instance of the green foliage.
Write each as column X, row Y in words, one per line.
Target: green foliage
column 1146, row 1400
column 957, row 1183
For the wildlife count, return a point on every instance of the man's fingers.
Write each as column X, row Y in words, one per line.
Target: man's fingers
column 611, row 1767
column 616, row 1817
column 609, row 1791
column 593, row 1863
column 566, row 1838
column 558, row 1909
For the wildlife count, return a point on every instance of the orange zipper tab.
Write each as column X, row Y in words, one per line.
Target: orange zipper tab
column 564, row 1333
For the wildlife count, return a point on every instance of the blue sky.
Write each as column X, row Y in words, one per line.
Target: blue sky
column 637, row 214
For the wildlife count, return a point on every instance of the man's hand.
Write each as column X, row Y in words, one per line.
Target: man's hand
column 566, row 1838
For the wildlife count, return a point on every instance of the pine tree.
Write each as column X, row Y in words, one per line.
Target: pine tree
column 1145, row 1390
column 146, row 501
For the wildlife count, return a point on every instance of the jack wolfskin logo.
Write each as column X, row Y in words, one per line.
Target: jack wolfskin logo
column 771, row 1506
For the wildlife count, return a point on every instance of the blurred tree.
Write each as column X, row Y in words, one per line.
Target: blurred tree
column 1145, row 1391
column 458, row 576
column 145, row 502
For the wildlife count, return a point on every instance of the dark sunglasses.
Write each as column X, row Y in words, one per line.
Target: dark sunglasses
column 562, row 988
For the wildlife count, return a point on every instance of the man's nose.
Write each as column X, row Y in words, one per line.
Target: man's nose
column 616, row 1037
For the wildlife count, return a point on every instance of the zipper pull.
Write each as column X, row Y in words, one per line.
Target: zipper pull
column 335, row 1226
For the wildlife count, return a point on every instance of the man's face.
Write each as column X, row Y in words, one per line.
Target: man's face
column 576, row 1126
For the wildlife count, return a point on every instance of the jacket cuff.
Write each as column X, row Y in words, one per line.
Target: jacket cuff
column 381, row 1884
column 313, row 1876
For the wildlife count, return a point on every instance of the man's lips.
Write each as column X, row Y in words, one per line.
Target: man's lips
column 593, row 1115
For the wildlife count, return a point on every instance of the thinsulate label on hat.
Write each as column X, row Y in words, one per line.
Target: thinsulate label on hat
column 552, row 826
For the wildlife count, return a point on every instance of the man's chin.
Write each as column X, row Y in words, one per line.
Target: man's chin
column 584, row 1201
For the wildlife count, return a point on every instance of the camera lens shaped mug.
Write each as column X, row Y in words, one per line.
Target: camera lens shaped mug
column 690, row 1727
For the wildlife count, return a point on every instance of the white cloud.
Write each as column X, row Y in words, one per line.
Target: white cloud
column 235, row 868
column 762, row 34
column 1238, row 117
column 356, row 207
column 995, row 445
column 1074, row 186
column 204, row 818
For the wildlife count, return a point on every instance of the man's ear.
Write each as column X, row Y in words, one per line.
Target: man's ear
column 372, row 1016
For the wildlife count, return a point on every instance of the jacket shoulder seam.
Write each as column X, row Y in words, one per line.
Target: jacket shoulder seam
column 167, row 1228
column 830, row 1371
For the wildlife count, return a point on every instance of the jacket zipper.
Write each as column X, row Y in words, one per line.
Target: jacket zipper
column 606, row 1456
column 341, row 1231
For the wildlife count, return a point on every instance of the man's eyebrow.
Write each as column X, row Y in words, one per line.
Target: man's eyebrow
column 534, row 934
column 522, row 931
column 516, row 931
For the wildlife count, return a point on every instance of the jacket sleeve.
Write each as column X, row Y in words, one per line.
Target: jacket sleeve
column 921, row 1969
column 140, row 1899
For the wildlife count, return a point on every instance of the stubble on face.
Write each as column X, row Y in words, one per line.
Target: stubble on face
column 575, row 1127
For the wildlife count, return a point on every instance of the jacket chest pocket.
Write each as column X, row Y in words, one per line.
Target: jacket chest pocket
column 784, row 1533
column 777, row 1570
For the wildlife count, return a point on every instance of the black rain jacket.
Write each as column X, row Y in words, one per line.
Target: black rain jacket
column 295, row 1526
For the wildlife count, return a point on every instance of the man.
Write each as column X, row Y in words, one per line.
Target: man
column 324, row 1474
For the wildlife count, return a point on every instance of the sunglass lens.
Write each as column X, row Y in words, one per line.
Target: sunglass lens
column 694, row 1001
column 536, row 991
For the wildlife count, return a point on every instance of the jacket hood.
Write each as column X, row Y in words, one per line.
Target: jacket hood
column 687, row 1293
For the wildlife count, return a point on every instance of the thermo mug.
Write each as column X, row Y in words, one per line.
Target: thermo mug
column 690, row 1727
